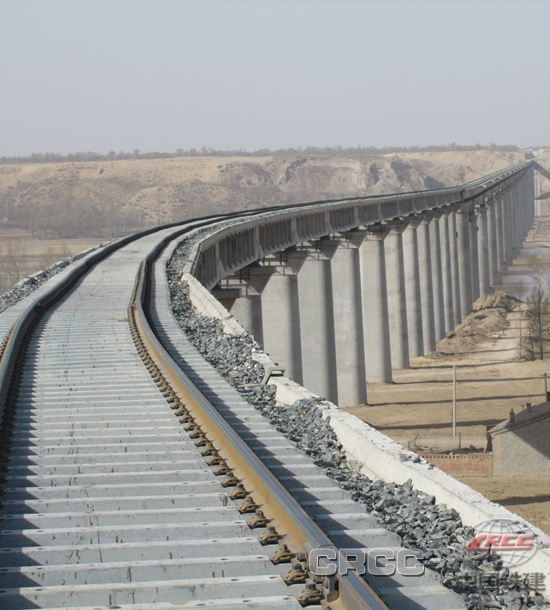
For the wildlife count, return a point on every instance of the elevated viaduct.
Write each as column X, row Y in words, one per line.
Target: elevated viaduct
column 342, row 292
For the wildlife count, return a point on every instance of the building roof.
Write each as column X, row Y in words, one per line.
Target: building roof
column 528, row 416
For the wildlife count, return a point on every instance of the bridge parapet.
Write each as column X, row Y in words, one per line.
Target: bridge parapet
column 246, row 240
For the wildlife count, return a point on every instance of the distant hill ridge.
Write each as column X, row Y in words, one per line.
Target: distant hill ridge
column 205, row 151
column 100, row 198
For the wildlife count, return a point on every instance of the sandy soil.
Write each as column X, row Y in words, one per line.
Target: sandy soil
column 491, row 379
column 528, row 497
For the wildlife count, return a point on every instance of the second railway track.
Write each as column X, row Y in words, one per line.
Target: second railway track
column 110, row 503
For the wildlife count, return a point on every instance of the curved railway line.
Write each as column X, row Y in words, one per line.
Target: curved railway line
column 108, row 500
column 136, row 477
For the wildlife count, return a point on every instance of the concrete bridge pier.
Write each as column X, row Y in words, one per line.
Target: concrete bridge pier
column 528, row 197
column 524, row 216
column 247, row 308
column 446, row 270
column 516, row 223
column 515, row 239
column 317, row 330
column 281, row 312
column 524, row 212
column 227, row 295
column 507, row 228
column 495, row 277
column 348, row 320
column 397, row 302
column 501, row 248
column 437, row 275
column 375, row 305
column 343, row 292
column 532, row 193
column 464, row 259
column 474, row 254
column 412, row 288
column 455, row 274
column 426, row 285
column 483, row 249
column 248, row 311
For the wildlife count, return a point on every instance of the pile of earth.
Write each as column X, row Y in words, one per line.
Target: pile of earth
column 489, row 316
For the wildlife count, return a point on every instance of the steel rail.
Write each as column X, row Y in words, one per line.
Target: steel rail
column 346, row 592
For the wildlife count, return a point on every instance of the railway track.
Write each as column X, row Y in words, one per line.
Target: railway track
column 136, row 477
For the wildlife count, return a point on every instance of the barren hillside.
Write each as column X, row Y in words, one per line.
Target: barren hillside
column 99, row 199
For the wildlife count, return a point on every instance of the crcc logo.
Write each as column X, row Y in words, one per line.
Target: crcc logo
column 515, row 542
column 328, row 561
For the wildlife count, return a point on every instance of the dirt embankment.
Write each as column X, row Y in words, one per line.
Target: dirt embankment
column 489, row 317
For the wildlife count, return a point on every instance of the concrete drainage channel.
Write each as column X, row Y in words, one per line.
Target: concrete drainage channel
column 312, row 424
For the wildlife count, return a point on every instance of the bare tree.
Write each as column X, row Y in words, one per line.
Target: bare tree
column 52, row 254
column 538, row 305
column 13, row 264
column 521, row 294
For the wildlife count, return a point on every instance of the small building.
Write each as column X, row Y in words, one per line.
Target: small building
column 521, row 444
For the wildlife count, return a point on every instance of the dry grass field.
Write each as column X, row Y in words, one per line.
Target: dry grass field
column 21, row 254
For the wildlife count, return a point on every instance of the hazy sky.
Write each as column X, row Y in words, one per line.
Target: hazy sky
column 101, row 75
